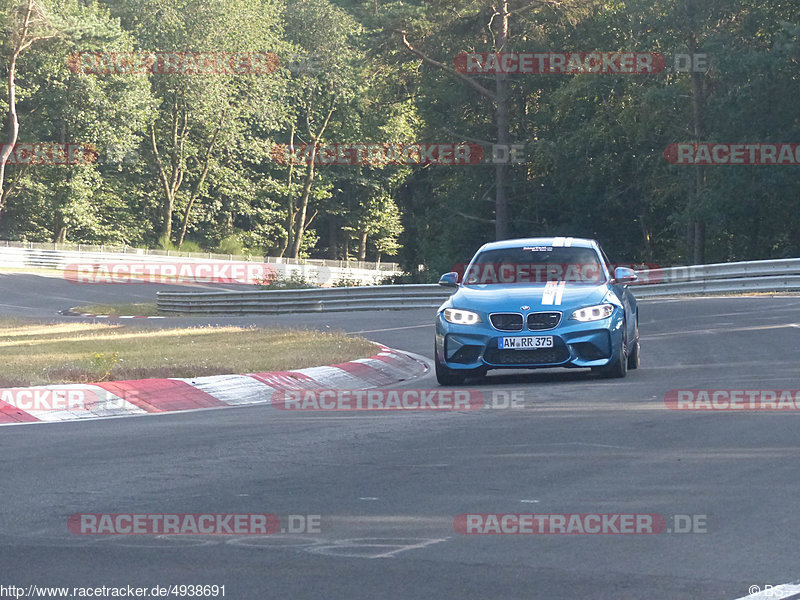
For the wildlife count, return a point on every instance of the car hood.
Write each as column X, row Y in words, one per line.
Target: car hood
column 500, row 298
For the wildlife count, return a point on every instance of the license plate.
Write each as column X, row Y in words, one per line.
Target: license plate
column 528, row 342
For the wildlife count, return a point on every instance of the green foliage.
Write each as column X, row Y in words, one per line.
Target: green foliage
column 164, row 243
column 295, row 281
column 345, row 280
column 231, row 245
column 594, row 143
column 103, row 363
column 190, row 246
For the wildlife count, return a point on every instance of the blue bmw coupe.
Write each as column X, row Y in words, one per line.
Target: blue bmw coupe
column 537, row 303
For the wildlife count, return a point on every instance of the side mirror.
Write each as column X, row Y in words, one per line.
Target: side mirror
column 624, row 275
column 449, row 280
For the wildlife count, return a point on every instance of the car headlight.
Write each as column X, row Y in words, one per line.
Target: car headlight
column 593, row 313
column 460, row 317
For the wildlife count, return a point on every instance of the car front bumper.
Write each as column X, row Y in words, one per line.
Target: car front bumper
column 575, row 344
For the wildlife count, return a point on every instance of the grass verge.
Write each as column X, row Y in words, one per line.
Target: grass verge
column 41, row 354
column 142, row 309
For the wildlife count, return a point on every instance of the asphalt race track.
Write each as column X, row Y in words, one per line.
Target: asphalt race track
column 388, row 486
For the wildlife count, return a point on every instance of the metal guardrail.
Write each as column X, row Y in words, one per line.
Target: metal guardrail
column 383, row 297
column 757, row 276
column 123, row 252
column 778, row 283
column 734, row 270
column 320, row 271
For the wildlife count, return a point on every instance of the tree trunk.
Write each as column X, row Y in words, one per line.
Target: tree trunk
column 166, row 218
column 698, row 104
column 199, row 184
column 171, row 182
column 13, row 126
column 302, row 209
column 25, row 40
column 362, row 245
column 13, row 121
column 186, row 214
column 501, row 120
column 300, row 223
column 290, row 212
column 646, row 235
column 500, row 28
column 333, row 238
column 60, row 202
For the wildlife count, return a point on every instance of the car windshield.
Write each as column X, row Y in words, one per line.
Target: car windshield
column 535, row 264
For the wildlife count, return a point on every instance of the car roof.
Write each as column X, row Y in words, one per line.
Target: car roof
column 572, row 242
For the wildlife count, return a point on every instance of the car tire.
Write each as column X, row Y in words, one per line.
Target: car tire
column 634, row 359
column 618, row 367
column 447, row 376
